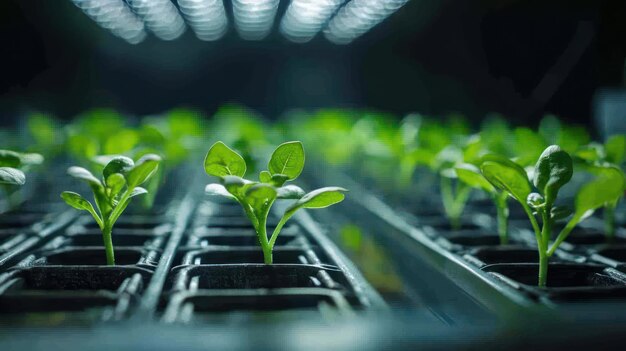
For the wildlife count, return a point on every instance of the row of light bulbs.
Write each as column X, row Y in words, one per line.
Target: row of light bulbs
column 341, row 21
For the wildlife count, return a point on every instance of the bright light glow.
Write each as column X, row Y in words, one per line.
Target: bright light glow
column 254, row 18
column 115, row 16
column 160, row 16
column 359, row 16
column 207, row 18
column 305, row 18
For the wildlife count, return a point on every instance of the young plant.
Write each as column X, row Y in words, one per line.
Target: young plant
column 471, row 175
column 595, row 157
column 12, row 167
column 553, row 170
column 121, row 180
column 257, row 198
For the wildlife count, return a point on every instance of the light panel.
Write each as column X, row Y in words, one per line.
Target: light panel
column 115, row 16
column 160, row 16
column 207, row 18
column 359, row 16
column 305, row 18
column 254, row 18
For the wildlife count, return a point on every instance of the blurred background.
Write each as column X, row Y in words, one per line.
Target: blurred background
column 520, row 58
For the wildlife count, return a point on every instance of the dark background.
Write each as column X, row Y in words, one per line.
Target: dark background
column 520, row 58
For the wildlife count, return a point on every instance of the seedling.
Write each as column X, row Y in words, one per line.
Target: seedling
column 257, row 198
column 471, row 175
column 595, row 158
column 552, row 171
column 12, row 167
column 121, row 180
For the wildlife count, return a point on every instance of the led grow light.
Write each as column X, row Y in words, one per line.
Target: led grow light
column 305, row 18
column 160, row 16
column 115, row 16
column 359, row 16
column 207, row 18
column 254, row 18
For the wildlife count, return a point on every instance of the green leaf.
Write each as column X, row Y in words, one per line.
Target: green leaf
column 217, row 190
column 606, row 188
column 137, row 191
column 615, row 147
column 553, row 170
column 115, row 182
column 506, row 175
column 9, row 158
column 290, row 192
column 221, row 161
column 319, row 198
column 535, row 200
column 279, row 179
column 121, row 142
column 237, row 186
column 77, row 201
column 118, row 164
column 287, row 159
column 260, row 197
column 83, row 174
column 470, row 175
column 31, row 159
column 9, row 175
column 143, row 170
column 265, row 177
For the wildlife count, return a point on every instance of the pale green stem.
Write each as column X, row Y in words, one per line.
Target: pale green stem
column 564, row 234
column 609, row 221
column 502, row 209
column 279, row 227
column 108, row 244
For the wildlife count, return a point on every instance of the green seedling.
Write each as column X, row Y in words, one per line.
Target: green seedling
column 595, row 158
column 13, row 166
column 552, row 171
column 257, row 197
column 471, row 175
column 121, row 180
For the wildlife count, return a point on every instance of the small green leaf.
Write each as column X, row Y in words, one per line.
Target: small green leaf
column 470, row 175
column 12, row 176
column 279, row 179
column 237, row 186
column 143, row 170
column 265, row 177
column 320, row 198
column 137, row 191
column 118, row 164
column 287, row 159
column 9, row 158
column 553, row 170
column 506, row 175
column 260, row 197
column 121, row 142
column 615, row 147
column 115, row 182
column 31, row 159
column 217, row 190
column 606, row 188
column 83, row 174
column 535, row 200
column 290, row 192
column 77, row 201
column 221, row 161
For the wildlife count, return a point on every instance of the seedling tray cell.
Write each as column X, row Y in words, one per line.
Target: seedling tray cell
column 255, row 276
column 614, row 256
column 566, row 282
column 91, row 256
column 236, row 306
column 252, row 255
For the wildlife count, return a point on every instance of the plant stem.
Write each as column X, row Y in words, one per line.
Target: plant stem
column 503, row 218
column 543, row 269
column 609, row 221
column 108, row 244
column 265, row 246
